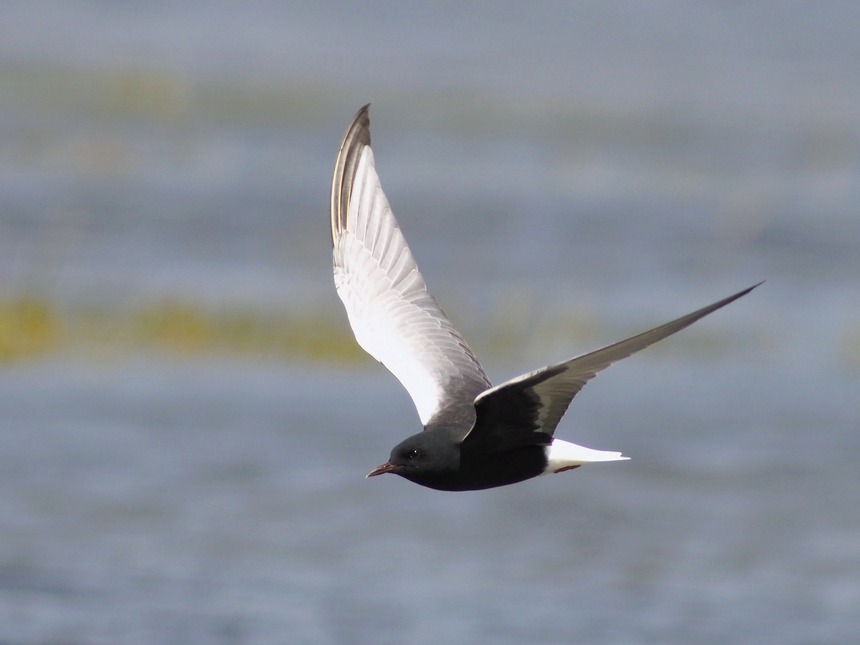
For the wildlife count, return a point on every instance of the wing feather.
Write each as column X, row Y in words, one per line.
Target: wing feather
column 393, row 316
column 535, row 402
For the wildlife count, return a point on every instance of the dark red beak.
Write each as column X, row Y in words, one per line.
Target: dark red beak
column 387, row 467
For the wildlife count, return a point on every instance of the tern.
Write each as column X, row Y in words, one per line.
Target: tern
column 475, row 436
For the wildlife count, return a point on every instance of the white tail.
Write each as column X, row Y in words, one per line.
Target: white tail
column 563, row 455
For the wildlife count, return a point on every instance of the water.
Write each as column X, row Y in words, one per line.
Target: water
column 565, row 177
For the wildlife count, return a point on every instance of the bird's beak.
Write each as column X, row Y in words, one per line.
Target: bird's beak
column 387, row 467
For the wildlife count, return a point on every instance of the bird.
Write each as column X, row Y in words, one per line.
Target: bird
column 475, row 436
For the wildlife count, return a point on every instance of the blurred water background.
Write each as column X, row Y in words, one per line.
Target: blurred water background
column 185, row 420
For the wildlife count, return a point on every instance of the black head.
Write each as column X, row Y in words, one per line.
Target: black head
column 427, row 458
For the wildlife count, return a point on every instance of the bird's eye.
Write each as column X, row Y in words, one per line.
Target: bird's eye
column 413, row 454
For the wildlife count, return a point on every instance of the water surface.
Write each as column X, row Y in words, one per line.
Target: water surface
column 565, row 177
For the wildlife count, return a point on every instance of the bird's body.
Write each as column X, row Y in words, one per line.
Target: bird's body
column 475, row 435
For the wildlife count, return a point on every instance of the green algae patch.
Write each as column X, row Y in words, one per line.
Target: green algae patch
column 31, row 328
column 28, row 328
column 183, row 328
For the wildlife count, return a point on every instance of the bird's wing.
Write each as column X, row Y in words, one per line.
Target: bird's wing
column 393, row 316
column 535, row 402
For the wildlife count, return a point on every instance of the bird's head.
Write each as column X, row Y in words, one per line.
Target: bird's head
column 422, row 458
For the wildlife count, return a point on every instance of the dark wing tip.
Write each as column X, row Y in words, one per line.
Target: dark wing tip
column 746, row 291
column 732, row 298
column 357, row 136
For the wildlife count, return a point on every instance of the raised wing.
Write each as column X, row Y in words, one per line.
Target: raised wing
column 393, row 316
column 535, row 402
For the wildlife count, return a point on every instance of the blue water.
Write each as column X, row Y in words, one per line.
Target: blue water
column 565, row 176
